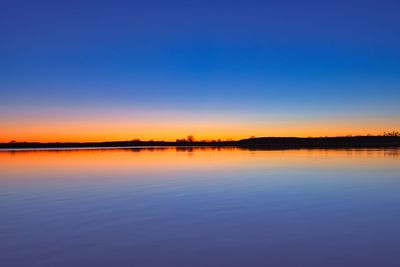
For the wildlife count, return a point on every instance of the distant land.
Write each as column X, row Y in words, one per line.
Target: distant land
column 251, row 143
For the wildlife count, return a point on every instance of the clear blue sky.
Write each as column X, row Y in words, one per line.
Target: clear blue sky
column 251, row 63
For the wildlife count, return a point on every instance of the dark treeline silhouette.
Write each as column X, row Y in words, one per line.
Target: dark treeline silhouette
column 322, row 142
column 387, row 140
column 393, row 133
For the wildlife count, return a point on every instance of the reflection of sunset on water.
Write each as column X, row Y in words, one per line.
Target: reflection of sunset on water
column 138, row 160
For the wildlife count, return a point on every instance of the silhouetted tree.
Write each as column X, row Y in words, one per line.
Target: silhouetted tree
column 393, row 133
column 190, row 138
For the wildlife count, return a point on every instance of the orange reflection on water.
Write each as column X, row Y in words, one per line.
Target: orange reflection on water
column 163, row 160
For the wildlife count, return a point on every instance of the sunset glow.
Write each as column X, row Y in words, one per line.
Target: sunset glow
column 220, row 71
column 103, row 128
column 199, row 133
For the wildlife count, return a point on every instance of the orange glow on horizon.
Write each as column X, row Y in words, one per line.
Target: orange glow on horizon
column 169, row 128
column 99, row 134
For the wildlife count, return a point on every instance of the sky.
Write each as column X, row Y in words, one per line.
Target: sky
column 161, row 70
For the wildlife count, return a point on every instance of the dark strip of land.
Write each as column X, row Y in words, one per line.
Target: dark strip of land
column 321, row 142
column 251, row 143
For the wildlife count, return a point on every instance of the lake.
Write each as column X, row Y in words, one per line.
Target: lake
column 200, row 207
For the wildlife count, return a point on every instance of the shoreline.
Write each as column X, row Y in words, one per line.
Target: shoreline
column 261, row 143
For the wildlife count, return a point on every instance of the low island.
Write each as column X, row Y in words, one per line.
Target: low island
column 382, row 141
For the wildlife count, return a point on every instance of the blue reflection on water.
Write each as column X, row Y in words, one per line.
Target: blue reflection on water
column 200, row 208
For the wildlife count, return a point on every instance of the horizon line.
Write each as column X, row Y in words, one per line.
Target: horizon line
column 191, row 139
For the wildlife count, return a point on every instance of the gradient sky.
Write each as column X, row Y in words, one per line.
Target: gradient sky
column 118, row 70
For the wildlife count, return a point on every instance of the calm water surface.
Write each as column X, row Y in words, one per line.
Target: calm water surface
column 200, row 207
